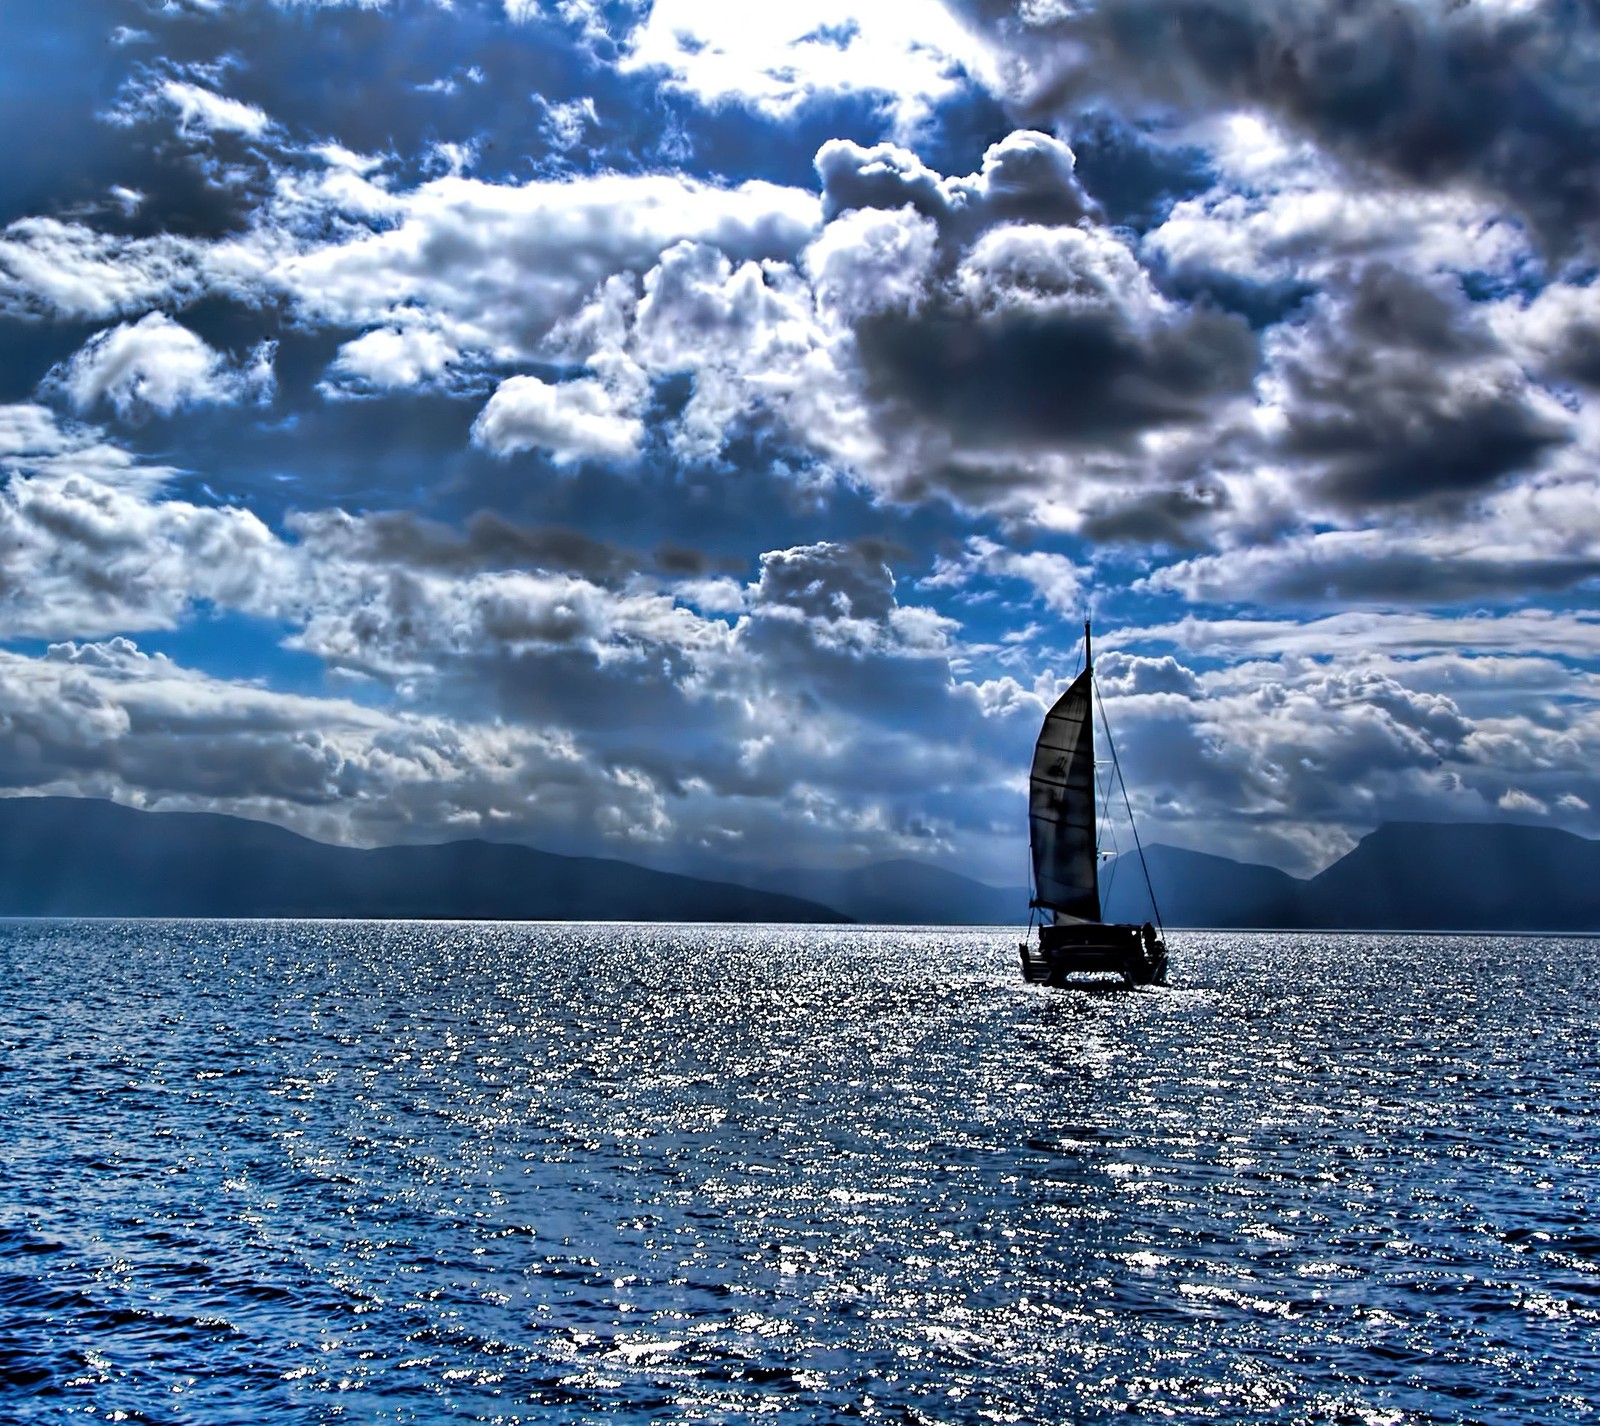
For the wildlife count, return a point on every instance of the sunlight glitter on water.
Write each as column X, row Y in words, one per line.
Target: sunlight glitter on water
column 484, row 1172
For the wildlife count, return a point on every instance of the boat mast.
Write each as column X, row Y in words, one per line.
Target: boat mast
column 1088, row 655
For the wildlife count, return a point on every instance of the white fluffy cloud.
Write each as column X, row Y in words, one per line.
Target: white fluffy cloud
column 573, row 420
column 204, row 110
column 497, row 265
column 1383, row 634
column 47, row 265
column 156, row 364
column 111, row 720
column 390, row 358
column 933, row 338
column 1291, row 756
column 190, row 95
column 1540, row 533
column 912, row 54
column 87, row 551
column 1283, row 212
column 979, row 338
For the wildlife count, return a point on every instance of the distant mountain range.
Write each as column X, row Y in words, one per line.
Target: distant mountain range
column 1403, row 876
column 904, row 893
column 66, row 856
column 1461, row 877
column 70, row 856
column 1488, row 876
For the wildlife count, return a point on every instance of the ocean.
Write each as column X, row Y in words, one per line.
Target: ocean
column 417, row 1172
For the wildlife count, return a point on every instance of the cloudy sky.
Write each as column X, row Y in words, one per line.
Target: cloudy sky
column 695, row 431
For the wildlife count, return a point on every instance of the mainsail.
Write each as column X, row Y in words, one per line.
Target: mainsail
column 1061, row 808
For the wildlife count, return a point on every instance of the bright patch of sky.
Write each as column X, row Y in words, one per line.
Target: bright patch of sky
column 913, row 55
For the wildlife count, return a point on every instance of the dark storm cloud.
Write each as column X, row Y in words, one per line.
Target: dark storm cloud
column 395, row 79
column 1416, row 577
column 1502, row 98
column 1030, row 378
column 1053, row 337
column 1175, row 519
column 1397, row 391
column 677, row 560
column 1493, row 558
column 488, row 541
column 997, row 323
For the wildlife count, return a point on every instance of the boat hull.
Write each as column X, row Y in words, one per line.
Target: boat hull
column 1065, row 953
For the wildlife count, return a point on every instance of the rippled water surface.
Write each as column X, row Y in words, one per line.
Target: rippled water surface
column 409, row 1172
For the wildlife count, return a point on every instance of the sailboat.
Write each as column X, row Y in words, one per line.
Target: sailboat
column 1072, row 939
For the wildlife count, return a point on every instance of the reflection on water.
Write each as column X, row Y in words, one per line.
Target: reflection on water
column 322, row 1171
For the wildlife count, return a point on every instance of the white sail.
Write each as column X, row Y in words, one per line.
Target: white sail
column 1061, row 798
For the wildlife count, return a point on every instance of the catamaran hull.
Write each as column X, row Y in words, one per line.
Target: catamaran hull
column 1064, row 953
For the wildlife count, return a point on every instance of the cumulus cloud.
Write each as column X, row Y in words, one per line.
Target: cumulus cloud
column 750, row 335
column 1383, row 633
column 498, row 265
column 572, row 420
column 1540, row 534
column 828, row 582
column 1557, row 332
column 716, row 726
column 190, row 94
column 489, row 268
column 872, row 261
column 934, row 338
column 1293, row 757
column 1123, row 675
column 1026, row 177
column 659, row 711
column 1401, row 436
column 392, row 357
column 1514, row 799
column 815, row 711
column 156, row 364
column 911, row 55
column 83, row 556
column 783, row 729
column 1050, row 336
column 1314, row 222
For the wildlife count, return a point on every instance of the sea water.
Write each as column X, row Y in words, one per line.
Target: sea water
column 409, row 1172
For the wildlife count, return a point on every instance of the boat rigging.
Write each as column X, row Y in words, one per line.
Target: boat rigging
column 1072, row 939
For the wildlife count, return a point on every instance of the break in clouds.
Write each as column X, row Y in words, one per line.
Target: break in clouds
column 698, row 436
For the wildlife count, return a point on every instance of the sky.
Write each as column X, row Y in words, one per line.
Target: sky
column 695, row 432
